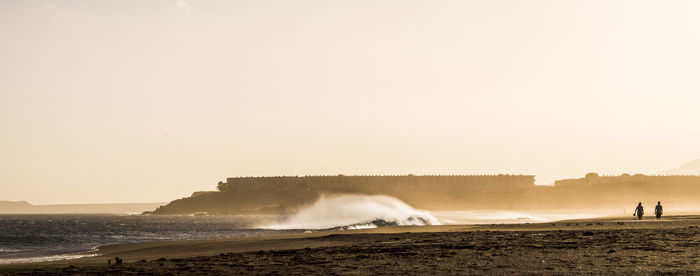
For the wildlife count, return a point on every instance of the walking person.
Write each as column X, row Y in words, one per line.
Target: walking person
column 639, row 211
column 659, row 210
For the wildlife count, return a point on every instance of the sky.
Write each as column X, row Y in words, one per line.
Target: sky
column 149, row 101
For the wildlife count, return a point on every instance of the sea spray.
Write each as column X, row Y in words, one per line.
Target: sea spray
column 510, row 217
column 352, row 211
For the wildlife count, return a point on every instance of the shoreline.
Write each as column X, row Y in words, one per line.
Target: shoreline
column 147, row 255
column 453, row 218
column 109, row 250
column 246, row 244
column 519, row 218
column 50, row 258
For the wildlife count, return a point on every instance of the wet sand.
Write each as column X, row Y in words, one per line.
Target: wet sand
column 606, row 245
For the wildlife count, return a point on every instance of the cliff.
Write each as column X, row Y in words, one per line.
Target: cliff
column 283, row 195
column 280, row 195
column 609, row 191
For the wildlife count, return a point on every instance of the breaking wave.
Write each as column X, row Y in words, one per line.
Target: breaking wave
column 351, row 211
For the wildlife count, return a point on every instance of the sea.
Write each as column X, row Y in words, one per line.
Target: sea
column 38, row 238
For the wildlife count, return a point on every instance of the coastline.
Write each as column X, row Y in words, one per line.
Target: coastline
column 474, row 217
column 589, row 241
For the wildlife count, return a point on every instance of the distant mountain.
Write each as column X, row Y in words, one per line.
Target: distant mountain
column 23, row 207
column 13, row 206
column 690, row 168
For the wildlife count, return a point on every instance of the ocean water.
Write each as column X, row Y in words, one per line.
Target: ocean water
column 35, row 238
column 30, row 238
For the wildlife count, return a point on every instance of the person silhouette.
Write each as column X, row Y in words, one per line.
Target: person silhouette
column 659, row 210
column 639, row 211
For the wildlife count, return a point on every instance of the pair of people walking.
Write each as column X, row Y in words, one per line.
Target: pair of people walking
column 639, row 211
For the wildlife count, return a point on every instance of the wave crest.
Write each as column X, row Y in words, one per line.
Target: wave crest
column 350, row 211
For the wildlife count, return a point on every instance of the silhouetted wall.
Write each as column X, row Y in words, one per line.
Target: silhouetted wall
column 288, row 193
column 621, row 191
column 285, row 194
column 378, row 184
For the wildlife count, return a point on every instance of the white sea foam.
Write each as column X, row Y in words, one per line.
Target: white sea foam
column 508, row 217
column 351, row 211
column 45, row 258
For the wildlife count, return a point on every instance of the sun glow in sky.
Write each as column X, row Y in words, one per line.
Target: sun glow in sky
column 138, row 101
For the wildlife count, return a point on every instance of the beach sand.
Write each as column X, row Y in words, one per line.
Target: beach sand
column 604, row 245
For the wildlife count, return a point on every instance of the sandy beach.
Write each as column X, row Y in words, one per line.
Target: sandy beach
column 605, row 245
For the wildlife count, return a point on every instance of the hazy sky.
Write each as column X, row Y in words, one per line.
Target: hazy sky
column 136, row 101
